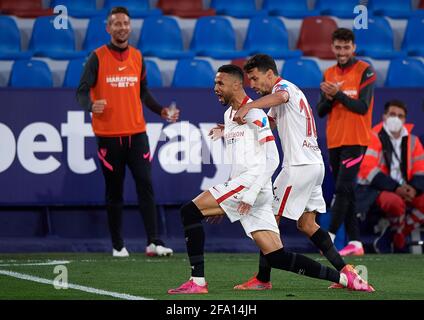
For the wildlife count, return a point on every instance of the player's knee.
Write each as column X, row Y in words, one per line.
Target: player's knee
column 305, row 224
column 190, row 214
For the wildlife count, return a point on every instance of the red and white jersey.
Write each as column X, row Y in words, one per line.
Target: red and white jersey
column 244, row 144
column 296, row 127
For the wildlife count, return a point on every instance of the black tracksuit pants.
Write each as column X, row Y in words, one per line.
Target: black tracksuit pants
column 345, row 162
column 115, row 153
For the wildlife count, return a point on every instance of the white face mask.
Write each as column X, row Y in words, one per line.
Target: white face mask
column 393, row 124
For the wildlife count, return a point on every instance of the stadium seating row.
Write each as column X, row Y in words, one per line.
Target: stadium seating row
column 191, row 73
column 196, row 8
column 162, row 37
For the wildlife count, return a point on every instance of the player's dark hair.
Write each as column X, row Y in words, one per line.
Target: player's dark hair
column 343, row 34
column 395, row 103
column 233, row 70
column 116, row 10
column 263, row 62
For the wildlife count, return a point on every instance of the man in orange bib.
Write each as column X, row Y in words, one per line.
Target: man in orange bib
column 347, row 96
column 114, row 88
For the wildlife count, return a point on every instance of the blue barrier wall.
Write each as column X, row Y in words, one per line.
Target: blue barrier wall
column 48, row 152
column 49, row 170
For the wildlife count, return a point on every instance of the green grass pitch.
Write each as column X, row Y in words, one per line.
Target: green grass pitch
column 393, row 276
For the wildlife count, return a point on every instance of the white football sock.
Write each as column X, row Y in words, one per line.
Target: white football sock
column 200, row 281
column 343, row 280
column 357, row 244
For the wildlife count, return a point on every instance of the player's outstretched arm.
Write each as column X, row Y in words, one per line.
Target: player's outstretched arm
column 271, row 100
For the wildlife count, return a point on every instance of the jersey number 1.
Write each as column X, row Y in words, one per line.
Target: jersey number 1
column 310, row 122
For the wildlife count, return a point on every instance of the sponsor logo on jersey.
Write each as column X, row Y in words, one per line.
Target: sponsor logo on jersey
column 351, row 93
column 122, row 82
column 307, row 144
column 281, row 87
column 262, row 123
column 236, row 134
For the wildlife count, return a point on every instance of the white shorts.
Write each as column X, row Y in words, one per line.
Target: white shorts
column 298, row 189
column 260, row 216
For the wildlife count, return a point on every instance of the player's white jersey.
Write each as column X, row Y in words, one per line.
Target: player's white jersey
column 242, row 144
column 296, row 127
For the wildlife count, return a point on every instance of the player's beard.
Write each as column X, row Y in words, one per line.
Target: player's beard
column 263, row 93
column 223, row 100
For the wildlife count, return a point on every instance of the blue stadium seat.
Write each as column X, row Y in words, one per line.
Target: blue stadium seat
column 377, row 40
column 269, row 35
column 413, row 40
column 73, row 73
column 193, row 73
column 47, row 41
column 154, row 77
column 237, row 8
column 405, row 73
column 304, row 73
column 341, row 9
column 30, row 74
column 10, row 40
column 96, row 34
column 215, row 37
column 289, row 8
column 79, row 8
column 418, row 13
column 391, row 8
column 161, row 37
column 136, row 8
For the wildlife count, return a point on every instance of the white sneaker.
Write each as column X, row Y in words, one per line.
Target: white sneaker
column 120, row 254
column 158, row 250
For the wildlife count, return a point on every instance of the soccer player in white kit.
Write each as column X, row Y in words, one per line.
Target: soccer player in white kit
column 297, row 189
column 247, row 196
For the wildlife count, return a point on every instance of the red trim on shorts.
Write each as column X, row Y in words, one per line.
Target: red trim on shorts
column 283, row 203
column 229, row 194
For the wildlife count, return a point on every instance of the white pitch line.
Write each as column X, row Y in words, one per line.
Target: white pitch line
column 28, row 277
column 49, row 263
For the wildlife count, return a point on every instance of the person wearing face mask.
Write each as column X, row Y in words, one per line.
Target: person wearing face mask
column 347, row 97
column 391, row 176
